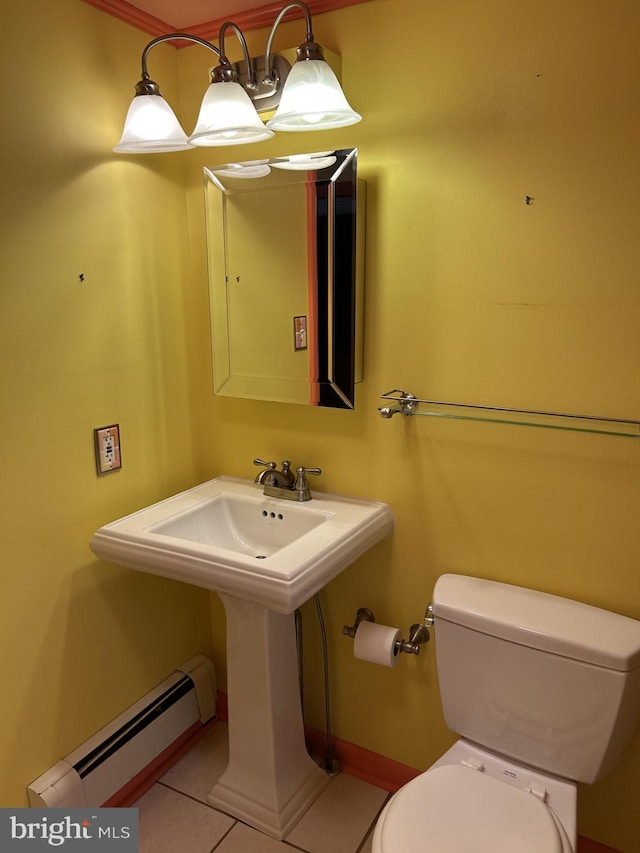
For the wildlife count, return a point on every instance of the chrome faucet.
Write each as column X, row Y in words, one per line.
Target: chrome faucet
column 284, row 484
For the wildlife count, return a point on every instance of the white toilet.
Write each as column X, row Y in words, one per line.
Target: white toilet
column 545, row 692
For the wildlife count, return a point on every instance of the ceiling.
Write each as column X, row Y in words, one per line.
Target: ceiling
column 204, row 17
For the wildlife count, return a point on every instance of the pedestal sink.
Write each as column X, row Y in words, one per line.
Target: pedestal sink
column 265, row 557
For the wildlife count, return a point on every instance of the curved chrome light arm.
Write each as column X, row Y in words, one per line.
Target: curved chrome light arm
column 310, row 49
column 146, row 86
column 225, row 71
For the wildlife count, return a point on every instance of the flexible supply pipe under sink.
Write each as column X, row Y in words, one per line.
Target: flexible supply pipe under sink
column 331, row 765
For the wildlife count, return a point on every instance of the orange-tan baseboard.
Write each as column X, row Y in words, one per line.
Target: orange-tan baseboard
column 362, row 763
column 354, row 760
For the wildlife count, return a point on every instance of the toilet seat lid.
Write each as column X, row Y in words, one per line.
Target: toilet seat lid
column 460, row 810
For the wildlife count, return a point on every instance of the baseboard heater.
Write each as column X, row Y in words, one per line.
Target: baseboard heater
column 103, row 765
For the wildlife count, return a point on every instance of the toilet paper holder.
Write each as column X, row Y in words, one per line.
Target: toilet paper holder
column 418, row 633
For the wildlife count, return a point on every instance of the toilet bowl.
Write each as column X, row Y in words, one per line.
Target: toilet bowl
column 474, row 800
column 545, row 692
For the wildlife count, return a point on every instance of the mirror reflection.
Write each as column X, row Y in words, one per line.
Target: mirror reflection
column 285, row 277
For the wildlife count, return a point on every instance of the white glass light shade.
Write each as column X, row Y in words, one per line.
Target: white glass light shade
column 249, row 169
column 151, row 126
column 307, row 162
column 228, row 117
column 312, row 99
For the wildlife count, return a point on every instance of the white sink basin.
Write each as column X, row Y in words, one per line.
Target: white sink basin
column 242, row 524
column 225, row 535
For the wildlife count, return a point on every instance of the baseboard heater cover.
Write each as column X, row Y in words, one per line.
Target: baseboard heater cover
column 104, row 764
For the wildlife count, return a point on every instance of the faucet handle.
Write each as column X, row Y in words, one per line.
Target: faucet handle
column 266, row 476
column 301, row 470
column 301, row 485
column 270, row 465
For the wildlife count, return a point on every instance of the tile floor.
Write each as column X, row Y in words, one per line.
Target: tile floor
column 175, row 816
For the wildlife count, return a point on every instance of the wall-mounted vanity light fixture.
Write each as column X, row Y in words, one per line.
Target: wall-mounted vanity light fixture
column 308, row 96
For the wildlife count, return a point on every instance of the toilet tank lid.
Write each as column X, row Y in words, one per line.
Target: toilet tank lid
column 539, row 620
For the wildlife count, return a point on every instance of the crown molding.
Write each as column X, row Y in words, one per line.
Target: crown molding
column 251, row 19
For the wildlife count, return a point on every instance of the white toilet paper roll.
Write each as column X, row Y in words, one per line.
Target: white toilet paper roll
column 376, row 643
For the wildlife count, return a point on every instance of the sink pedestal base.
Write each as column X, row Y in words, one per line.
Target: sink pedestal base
column 270, row 780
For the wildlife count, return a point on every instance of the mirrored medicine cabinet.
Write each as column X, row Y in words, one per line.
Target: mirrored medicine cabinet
column 285, row 259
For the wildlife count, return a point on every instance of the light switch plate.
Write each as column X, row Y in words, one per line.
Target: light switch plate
column 107, row 447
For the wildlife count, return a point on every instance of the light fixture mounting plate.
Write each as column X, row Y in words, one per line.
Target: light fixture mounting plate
column 265, row 98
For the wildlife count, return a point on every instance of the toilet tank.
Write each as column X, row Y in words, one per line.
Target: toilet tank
column 541, row 679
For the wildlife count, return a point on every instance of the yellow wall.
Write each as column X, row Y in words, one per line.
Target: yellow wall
column 81, row 640
column 473, row 295
column 470, row 294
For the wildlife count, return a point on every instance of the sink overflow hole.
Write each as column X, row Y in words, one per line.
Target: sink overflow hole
column 261, row 556
column 266, row 514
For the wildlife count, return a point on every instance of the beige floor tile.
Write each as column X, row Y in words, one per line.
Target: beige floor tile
column 203, row 765
column 171, row 822
column 340, row 817
column 244, row 839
